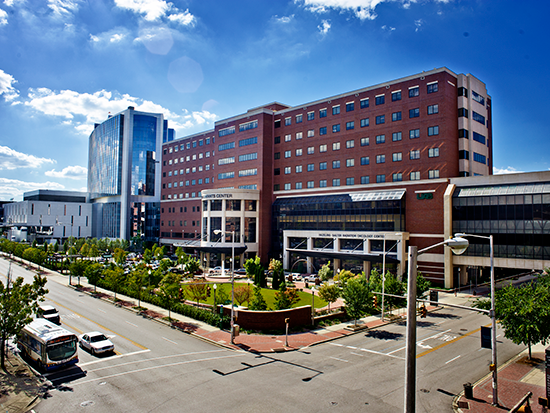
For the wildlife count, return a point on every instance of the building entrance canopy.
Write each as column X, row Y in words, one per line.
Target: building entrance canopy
column 343, row 255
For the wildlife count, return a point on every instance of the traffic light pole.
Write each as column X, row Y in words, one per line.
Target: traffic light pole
column 410, row 356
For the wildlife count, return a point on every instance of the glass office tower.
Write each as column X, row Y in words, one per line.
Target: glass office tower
column 123, row 176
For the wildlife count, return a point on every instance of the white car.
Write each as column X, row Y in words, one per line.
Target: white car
column 96, row 343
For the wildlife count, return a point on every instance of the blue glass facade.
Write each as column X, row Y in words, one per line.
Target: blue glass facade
column 143, row 155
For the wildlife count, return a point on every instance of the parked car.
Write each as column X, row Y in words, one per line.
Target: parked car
column 215, row 270
column 49, row 312
column 96, row 343
column 241, row 271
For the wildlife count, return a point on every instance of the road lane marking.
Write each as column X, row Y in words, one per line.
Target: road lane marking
column 352, row 347
column 103, row 311
column 336, row 358
column 382, row 354
column 452, row 359
column 103, row 327
column 164, row 338
column 154, row 368
column 448, row 342
column 118, row 356
column 132, row 324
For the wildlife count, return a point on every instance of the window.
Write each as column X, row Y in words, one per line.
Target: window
column 310, row 115
column 288, row 154
column 335, row 164
column 365, row 180
column 462, row 91
column 350, row 106
column 298, row 185
column 277, row 187
column 396, row 136
column 350, row 181
column 350, row 162
column 380, row 99
column 248, row 157
column 310, row 133
column 380, row 139
column 397, row 156
column 478, row 98
column 299, row 118
column 380, row 179
column 323, row 183
column 288, row 121
column 433, row 173
column 287, row 187
column 248, row 172
column 288, row 170
column 380, row 119
column 478, row 118
column 414, row 133
column 221, row 132
column 365, row 141
column 396, row 95
column 311, row 184
column 364, row 122
column 310, row 167
column 225, row 161
column 323, row 130
column 414, row 91
column 336, row 128
column 350, row 125
column 365, row 160
column 433, row 130
column 248, row 125
column 322, row 166
column 462, row 154
column 288, row 137
column 299, row 152
column 397, row 177
column 433, row 87
column 298, row 169
column 462, row 113
column 336, row 110
column 414, row 113
column 414, row 154
column 207, row 141
column 364, row 103
column 335, row 146
column 433, row 152
column 226, row 146
column 224, row 175
column 322, row 148
column 414, row 176
column 350, row 144
column 298, row 135
column 323, row 113
column 480, row 158
column 380, row 158
column 336, row 182
column 479, row 138
column 311, row 150
column 395, row 116
column 277, row 171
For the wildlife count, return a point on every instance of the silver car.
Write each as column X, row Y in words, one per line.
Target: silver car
column 96, row 343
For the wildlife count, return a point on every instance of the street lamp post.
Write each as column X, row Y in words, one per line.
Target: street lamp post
column 491, row 313
column 232, row 323
column 458, row 246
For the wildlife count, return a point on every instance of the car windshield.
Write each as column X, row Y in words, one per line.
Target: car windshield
column 50, row 311
column 99, row 337
column 61, row 351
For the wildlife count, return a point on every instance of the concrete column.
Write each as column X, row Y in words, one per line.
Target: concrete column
column 309, row 259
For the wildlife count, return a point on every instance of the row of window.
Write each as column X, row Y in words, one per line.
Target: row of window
column 193, row 169
column 413, row 91
column 323, row 183
column 188, row 158
column 188, row 145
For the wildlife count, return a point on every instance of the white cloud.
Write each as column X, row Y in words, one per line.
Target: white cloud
column 9, row 3
column 11, row 159
column 324, row 27
column 113, row 36
column 3, row 18
column 284, row 19
column 63, row 8
column 507, row 170
column 14, row 188
column 6, row 86
column 154, row 10
column 363, row 9
column 388, row 28
column 185, row 18
column 418, row 23
column 71, row 172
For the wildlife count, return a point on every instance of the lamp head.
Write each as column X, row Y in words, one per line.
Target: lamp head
column 217, row 231
column 457, row 244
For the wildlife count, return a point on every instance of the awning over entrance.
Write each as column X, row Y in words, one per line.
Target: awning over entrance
column 344, row 255
column 238, row 250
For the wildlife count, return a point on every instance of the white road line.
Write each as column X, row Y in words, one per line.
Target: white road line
column 156, row 367
column 336, row 358
column 453, row 359
column 112, row 358
column 395, row 351
column 103, row 311
column 173, row 342
column 132, row 324
column 356, row 354
column 336, row 344
column 353, row 348
column 382, row 354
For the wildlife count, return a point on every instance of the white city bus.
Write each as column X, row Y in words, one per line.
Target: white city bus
column 48, row 344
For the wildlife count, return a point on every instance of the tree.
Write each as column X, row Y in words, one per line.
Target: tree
column 93, row 273
column 147, row 256
column 169, row 288
column 422, row 285
column 255, row 270
column 243, row 293
column 119, row 255
column 85, row 250
column 115, row 278
column 329, row 293
column 523, row 312
column 343, row 276
column 197, row 290
column 277, row 273
column 191, row 267
column 325, row 273
column 182, row 256
column 358, row 298
column 285, row 297
column 18, row 301
column 258, row 303
column 391, row 286
column 77, row 269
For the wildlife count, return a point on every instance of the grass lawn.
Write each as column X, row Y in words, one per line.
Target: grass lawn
column 269, row 296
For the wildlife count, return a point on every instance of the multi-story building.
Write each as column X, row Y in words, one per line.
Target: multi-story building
column 123, row 179
column 342, row 174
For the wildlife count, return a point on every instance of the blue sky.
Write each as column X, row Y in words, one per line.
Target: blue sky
column 67, row 64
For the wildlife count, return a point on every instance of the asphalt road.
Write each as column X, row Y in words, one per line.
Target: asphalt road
column 157, row 369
